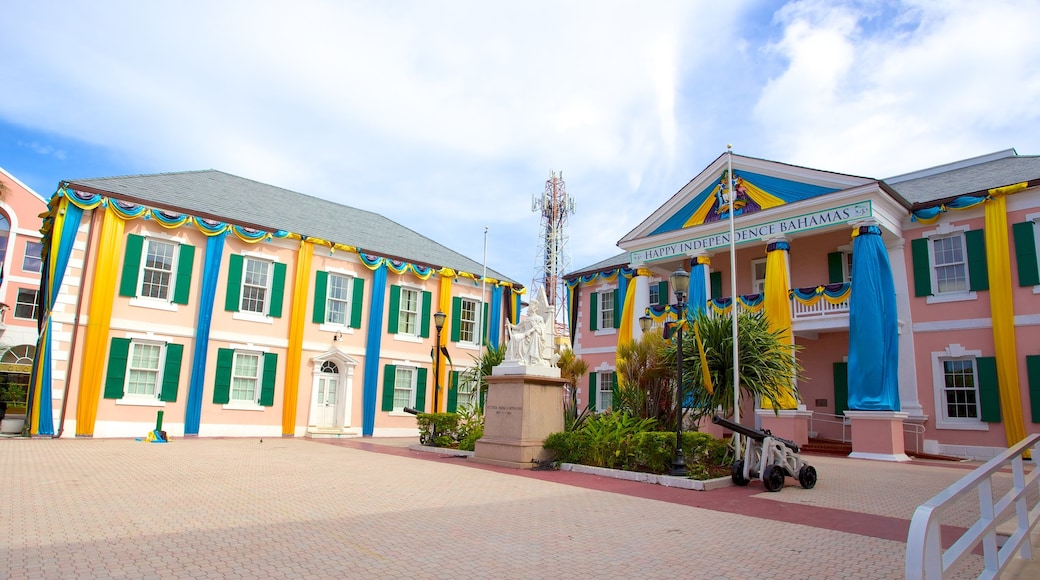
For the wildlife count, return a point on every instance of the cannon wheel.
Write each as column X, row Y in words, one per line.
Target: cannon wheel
column 737, row 473
column 773, row 478
column 807, row 476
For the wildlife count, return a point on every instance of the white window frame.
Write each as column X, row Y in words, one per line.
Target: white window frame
column 405, row 383
column 1035, row 218
column 172, row 272
column 946, row 230
column 604, row 395
column 468, row 331
column 846, row 262
column 236, row 373
column 468, row 393
column 36, row 258
column 145, row 398
column 942, row 421
column 266, row 287
column 35, row 303
column 655, row 294
column 346, row 300
column 409, row 317
column 758, row 285
column 604, row 324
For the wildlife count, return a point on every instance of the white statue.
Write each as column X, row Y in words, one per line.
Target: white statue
column 531, row 341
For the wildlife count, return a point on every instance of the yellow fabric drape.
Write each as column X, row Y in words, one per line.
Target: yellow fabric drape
column 444, row 303
column 297, row 324
column 1003, row 312
column 778, row 309
column 95, row 347
column 625, row 330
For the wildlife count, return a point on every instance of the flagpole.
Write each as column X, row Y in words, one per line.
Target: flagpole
column 733, row 288
column 483, row 290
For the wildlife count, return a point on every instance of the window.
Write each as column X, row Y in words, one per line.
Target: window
column 655, row 295
column 1027, row 248
column 245, row 377
column 143, row 372
column 758, row 276
column 960, row 394
column 408, row 315
column 337, row 306
column 467, row 392
column 404, row 388
column 158, row 270
column 255, row 285
column 468, row 320
column 950, row 268
column 606, row 310
column 605, row 396
column 26, row 304
column 839, row 266
column 33, row 260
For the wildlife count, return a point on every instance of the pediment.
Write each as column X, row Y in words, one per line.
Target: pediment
column 334, row 354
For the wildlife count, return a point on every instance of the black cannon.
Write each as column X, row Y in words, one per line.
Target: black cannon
column 768, row 458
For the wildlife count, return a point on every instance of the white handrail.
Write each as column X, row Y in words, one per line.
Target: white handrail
column 924, row 555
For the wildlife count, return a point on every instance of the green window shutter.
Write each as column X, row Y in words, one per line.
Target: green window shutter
column 618, row 304
column 592, row 390
column 395, row 310
column 270, row 374
column 594, row 311
column 841, row 388
column 321, row 292
column 222, row 382
column 453, row 391
column 978, row 272
column 921, row 255
column 356, row 301
column 426, row 315
column 131, row 265
column 1033, row 372
column 456, row 318
column 171, row 372
column 836, row 267
column 614, row 401
column 1025, row 254
column 989, row 389
column 234, row 284
column 185, row 265
column 662, row 293
column 715, row 278
column 420, row 390
column 118, row 355
column 389, row 379
column 277, row 290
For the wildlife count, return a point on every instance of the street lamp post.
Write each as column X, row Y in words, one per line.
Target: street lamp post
column 680, row 283
column 438, row 321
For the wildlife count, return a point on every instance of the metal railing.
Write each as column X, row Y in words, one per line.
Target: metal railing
column 925, row 557
column 831, row 427
column 917, row 431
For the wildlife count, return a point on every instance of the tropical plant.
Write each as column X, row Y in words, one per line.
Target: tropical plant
column 767, row 366
column 470, row 426
column 483, row 364
column 646, row 382
column 572, row 369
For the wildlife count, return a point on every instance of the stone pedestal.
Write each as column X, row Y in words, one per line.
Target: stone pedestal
column 524, row 405
column 878, row 435
column 790, row 424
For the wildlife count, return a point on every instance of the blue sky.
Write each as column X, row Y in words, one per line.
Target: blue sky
column 448, row 116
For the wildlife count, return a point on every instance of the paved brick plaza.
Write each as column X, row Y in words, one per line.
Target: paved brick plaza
column 363, row 508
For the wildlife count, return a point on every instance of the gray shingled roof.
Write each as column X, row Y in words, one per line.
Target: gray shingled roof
column 229, row 198
column 621, row 259
column 935, row 186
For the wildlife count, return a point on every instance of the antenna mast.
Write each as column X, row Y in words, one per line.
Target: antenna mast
column 555, row 205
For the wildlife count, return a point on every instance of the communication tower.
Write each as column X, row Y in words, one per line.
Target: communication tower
column 555, row 205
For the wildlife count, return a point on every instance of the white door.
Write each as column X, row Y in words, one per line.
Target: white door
column 325, row 401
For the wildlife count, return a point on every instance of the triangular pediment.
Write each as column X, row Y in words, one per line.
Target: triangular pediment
column 335, row 355
column 761, row 186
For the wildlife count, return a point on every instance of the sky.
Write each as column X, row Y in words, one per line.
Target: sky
column 448, row 116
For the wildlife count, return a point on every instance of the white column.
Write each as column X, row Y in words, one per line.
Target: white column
column 909, row 402
column 642, row 301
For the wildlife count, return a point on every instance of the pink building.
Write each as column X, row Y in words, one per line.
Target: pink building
column 230, row 307
column 20, row 269
column 934, row 347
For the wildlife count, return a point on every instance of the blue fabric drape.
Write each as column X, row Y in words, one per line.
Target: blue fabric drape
column 207, row 294
column 495, row 319
column 372, row 349
column 873, row 327
column 51, row 286
column 698, row 293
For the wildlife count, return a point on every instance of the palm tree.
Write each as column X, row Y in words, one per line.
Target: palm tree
column 646, row 382
column 767, row 365
column 489, row 359
column 572, row 369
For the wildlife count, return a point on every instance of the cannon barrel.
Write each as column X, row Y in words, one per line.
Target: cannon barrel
column 752, row 433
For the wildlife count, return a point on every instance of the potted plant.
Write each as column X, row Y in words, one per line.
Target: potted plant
column 13, row 399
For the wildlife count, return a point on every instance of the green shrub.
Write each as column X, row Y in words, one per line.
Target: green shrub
column 438, row 429
column 469, row 441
